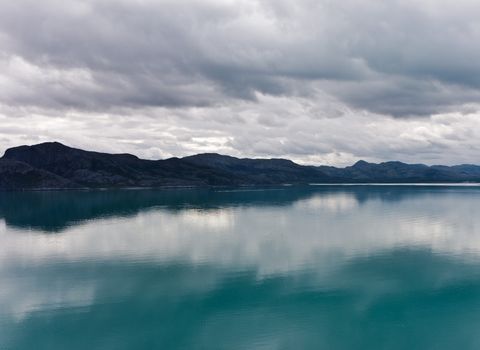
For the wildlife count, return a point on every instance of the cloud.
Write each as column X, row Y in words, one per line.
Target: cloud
column 299, row 130
column 395, row 57
column 243, row 76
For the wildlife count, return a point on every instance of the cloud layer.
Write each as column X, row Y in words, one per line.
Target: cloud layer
column 317, row 81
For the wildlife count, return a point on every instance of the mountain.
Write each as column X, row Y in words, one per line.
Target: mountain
column 85, row 169
column 14, row 174
column 54, row 165
column 401, row 172
column 260, row 171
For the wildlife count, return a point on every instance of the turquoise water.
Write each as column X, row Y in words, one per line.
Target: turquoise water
column 324, row 267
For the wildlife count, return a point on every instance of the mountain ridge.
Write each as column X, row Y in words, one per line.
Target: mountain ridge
column 53, row 165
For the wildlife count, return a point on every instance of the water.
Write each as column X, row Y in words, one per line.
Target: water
column 323, row 267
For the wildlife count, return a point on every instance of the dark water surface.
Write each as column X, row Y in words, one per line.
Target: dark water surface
column 325, row 267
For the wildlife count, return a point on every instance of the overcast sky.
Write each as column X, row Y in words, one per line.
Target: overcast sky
column 317, row 81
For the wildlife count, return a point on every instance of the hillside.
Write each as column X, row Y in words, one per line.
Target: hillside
column 54, row 165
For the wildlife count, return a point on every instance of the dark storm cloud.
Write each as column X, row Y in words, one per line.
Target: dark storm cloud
column 392, row 57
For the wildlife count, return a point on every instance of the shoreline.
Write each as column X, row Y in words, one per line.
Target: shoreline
column 256, row 187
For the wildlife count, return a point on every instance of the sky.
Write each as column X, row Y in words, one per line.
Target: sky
column 316, row 81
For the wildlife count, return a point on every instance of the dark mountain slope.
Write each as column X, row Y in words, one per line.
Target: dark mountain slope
column 400, row 172
column 87, row 168
column 19, row 175
column 394, row 171
column 94, row 169
column 264, row 171
column 53, row 165
column 466, row 170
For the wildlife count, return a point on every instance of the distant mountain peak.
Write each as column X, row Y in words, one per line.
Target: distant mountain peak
column 361, row 163
column 48, row 146
column 210, row 155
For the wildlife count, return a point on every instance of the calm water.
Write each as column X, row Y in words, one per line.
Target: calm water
column 390, row 267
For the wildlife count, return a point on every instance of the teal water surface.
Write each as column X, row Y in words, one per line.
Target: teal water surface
column 319, row 267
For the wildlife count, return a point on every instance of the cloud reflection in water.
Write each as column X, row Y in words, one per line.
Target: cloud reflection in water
column 276, row 266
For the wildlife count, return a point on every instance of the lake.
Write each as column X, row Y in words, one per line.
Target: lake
column 314, row 267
